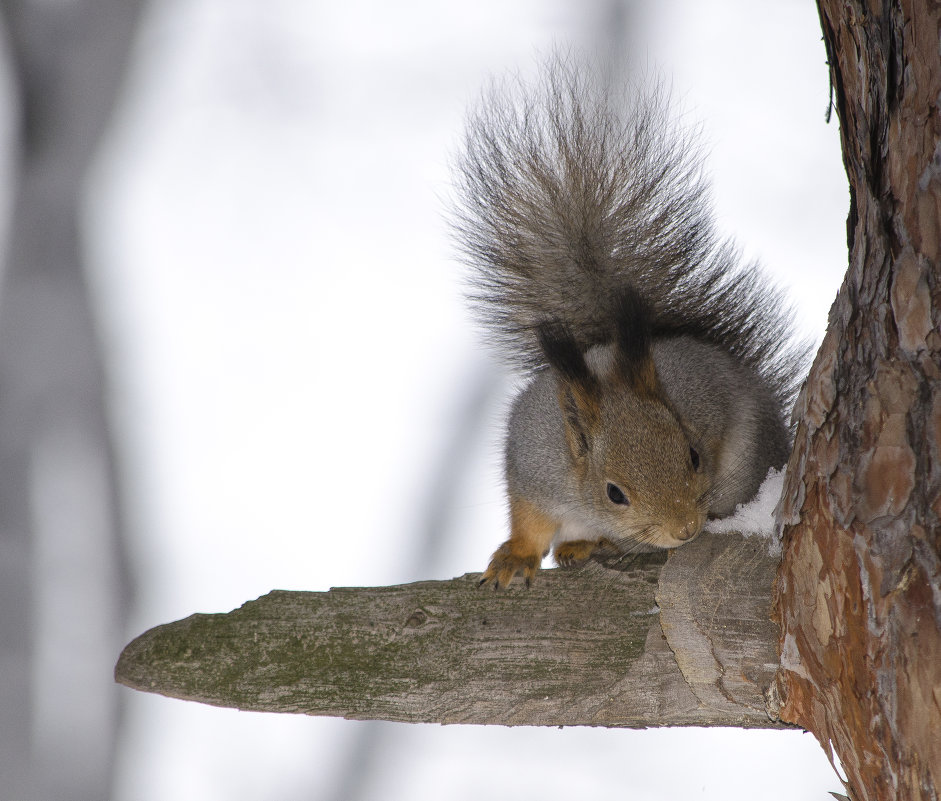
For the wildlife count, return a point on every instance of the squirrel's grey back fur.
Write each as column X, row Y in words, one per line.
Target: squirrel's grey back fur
column 567, row 193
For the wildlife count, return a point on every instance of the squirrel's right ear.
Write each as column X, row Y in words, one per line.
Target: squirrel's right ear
column 578, row 388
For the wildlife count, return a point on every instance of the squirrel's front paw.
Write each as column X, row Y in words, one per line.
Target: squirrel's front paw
column 574, row 552
column 506, row 563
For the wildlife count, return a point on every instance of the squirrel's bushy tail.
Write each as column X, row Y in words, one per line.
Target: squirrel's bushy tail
column 568, row 193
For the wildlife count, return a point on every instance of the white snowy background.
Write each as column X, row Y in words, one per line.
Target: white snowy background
column 300, row 391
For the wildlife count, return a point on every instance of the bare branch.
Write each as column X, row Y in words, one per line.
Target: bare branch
column 582, row 647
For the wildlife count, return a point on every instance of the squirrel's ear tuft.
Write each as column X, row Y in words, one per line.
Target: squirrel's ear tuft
column 633, row 320
column 563, row 354
column 578, row 388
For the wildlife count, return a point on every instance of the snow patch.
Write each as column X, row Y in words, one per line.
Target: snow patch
column 756, row 517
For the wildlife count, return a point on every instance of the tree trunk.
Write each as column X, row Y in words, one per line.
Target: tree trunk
column 859, row 589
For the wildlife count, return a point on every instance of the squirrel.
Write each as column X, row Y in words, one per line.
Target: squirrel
column 660, row 366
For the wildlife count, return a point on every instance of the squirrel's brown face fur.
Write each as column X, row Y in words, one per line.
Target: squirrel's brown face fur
column 628, row 446
column 626, row 449
column 638, row 450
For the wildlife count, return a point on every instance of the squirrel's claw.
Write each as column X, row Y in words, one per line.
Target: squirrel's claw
column 505, row 564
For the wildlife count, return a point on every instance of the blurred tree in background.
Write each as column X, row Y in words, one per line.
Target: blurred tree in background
column 64, row 589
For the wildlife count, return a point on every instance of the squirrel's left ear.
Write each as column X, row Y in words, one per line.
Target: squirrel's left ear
column 633, row 321
column 579, row 391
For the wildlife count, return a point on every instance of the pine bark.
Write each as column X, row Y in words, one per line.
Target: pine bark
column 859, row 590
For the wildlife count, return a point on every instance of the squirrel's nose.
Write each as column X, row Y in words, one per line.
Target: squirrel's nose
column 689, row 531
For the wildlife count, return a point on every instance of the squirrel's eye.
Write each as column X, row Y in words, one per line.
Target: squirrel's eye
column 615, row 495
column 694, row 458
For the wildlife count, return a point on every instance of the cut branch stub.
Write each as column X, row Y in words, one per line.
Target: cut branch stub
column 582, row 647
column 714, row 597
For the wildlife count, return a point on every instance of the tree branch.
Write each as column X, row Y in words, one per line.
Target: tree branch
column 582, row 647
